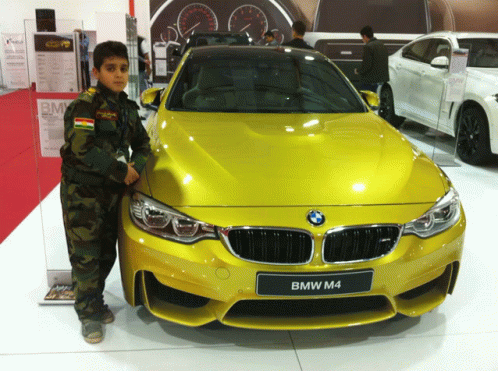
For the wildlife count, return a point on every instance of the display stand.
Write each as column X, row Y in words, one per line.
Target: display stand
column 445, row 146
column 54, row 75
column 53, row 85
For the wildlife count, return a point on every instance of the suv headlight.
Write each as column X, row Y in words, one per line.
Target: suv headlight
column 443, row 215
column 163, row 221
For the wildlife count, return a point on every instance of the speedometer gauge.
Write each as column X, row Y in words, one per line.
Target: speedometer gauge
column 169, row 34
column 250, row 19
column 197, row 17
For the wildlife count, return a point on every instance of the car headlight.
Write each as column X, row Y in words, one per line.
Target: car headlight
column 163, row 221
column 443, row 215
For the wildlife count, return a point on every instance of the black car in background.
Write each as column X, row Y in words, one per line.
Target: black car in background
column 216, row 38
column 175, row 51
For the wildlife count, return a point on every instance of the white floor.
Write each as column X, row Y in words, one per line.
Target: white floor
column 462, row 334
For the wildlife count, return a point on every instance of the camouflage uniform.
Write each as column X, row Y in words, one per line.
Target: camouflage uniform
column 99, row 128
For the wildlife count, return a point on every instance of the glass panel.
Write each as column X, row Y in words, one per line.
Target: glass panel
column 483, row 53
column 432, row 128
column 417, row 51
column 48, row 107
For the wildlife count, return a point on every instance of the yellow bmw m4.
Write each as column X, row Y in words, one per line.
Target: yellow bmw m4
column 276, row 198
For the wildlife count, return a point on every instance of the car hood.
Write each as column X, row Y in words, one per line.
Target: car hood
column 225, row 159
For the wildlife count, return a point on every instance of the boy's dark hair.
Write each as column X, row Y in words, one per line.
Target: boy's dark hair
column 108, row 49
column 299, row 27
column 367, row 31
column 269, row 33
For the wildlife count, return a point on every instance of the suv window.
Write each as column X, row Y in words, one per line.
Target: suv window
column 482, row 52
column 417, row 51
column 439, row 48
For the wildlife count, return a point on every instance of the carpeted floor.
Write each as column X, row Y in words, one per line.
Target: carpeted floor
column 26, row 177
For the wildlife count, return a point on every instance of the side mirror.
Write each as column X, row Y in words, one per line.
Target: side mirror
column 440, row 62
column 151, row 98
column 371, row 98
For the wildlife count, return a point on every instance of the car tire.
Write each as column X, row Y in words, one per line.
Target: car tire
column 473, row 145
column 386, row 108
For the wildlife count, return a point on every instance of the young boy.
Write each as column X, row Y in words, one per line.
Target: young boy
column 99, row 128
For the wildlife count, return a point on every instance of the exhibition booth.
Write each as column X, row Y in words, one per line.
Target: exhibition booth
column 55, row 76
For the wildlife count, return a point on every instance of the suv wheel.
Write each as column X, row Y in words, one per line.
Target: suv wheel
column 386, row 109
column 473, row 136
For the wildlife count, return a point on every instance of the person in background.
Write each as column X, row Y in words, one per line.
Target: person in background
column 85, row 67
column 100, row 127
column 298, row 31
column 374, row 68
column 144, row 69
column 270, row 39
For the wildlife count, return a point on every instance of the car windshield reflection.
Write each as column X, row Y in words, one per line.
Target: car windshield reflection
column 248, row 82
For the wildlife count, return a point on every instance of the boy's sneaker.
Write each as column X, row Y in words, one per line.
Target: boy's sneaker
column 92, row 331
column 108, row 316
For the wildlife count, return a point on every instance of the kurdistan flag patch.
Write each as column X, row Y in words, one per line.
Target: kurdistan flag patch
column 83, row 123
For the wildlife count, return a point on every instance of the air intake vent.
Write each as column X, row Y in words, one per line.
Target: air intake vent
column 271, row 246
column 359, row 243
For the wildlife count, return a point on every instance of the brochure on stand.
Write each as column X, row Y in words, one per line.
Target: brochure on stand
column 455, row 86
column 57, row 63
column 16, row 67
column 51, row 123
column 58, row 294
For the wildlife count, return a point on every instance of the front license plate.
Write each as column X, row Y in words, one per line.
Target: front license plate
column 277, row 284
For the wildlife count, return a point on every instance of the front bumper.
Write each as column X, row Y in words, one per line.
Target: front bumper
column 203, row 282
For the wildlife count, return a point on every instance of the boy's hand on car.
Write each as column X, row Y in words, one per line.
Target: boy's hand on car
column 132, row 175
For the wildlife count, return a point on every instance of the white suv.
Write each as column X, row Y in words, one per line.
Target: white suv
column 417, row 86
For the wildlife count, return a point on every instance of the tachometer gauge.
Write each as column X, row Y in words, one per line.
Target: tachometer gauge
column 250, row 19
column 169, row 34
column 196, row 16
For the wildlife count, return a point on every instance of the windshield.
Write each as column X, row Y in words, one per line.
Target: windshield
column 482, row 52
column 385, row 16
column 254, row 82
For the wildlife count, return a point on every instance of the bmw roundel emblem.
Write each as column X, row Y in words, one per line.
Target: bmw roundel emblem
column 315, row 218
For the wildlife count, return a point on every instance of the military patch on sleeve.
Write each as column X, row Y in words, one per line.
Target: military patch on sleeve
column 88, row 95
column 90, row 91
column 84, row 123
column 103, row 114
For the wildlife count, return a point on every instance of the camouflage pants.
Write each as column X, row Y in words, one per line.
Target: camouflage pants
column 90, row 221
